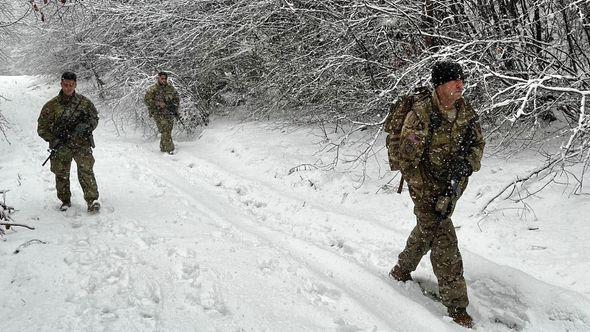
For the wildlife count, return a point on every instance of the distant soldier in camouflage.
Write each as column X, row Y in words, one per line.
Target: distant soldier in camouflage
column 441, row 145
column 66, row 122
column 162, row 102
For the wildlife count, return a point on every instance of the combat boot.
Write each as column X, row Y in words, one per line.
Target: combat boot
column 93, row 207
column 65, row 205
column 400, row 274
column 461, row 317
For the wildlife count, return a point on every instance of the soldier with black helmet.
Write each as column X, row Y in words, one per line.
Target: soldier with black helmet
column 162, row 102
column 441, row 145
column 66, row 122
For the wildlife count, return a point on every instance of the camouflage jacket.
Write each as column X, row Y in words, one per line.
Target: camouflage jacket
column 61, row 116
column 430, row 142
column 165, row 94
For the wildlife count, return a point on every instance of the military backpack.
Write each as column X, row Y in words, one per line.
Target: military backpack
column 395, row 121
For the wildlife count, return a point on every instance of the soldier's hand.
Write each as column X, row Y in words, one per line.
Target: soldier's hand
column 442, row 204
column 82, row 129
column 460, row 168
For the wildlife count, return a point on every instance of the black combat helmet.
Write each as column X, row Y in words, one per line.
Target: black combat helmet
column 446, row 71
column 68, row 75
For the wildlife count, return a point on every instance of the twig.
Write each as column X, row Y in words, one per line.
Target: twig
column 519, row 180
column 302, row 167
column 8, row 225
column 26, row 244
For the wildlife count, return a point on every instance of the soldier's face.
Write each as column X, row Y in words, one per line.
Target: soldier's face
column 163, row 80
column 68, row 87
column 451, row 90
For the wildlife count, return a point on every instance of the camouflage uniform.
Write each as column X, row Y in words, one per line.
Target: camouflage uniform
column 164, row 116
column 426, row 167
column 71, row 120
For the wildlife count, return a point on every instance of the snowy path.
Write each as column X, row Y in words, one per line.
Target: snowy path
column 209, row 240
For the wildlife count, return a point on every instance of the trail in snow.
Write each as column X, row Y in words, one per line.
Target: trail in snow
column 209, row 240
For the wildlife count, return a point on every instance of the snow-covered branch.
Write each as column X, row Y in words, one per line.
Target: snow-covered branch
column 321, row 61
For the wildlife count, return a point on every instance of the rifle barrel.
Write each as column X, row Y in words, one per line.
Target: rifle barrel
column 48, row 157
column 52, row 153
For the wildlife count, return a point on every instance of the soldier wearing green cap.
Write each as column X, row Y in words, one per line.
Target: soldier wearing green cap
column 441, row 145
column 66, row 122
column 162, row 102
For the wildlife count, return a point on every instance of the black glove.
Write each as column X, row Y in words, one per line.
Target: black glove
column 82, row 129
column 460, row 168
column 172, row 109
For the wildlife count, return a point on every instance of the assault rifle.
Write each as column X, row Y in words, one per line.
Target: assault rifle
column 170, row 108
column 444, row 205
column 70, row 124
column 173, row 108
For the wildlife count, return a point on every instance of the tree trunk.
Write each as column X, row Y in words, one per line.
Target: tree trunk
column 428, row 25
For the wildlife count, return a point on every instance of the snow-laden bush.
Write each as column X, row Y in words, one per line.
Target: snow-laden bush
column 333, row 62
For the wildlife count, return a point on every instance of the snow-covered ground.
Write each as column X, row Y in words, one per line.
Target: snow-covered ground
column 222, row 237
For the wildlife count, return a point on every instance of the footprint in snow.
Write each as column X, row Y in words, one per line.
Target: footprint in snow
column 504, row 301
column 190, row 270
column 146, row 297
column 320, row 294
column 211, row 301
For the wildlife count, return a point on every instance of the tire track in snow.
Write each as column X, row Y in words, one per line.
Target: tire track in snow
column 370, row 245
column 512, row 313
column 342, row 273
column 255, row 197
column 199, row 289
column 512, row 317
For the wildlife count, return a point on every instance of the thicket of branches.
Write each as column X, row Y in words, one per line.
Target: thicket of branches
column 337, row 62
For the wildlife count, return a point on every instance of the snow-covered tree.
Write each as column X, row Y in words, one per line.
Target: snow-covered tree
column 335, row 62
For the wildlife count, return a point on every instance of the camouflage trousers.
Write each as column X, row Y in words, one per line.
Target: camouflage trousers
column 430, row 233
column 60, row 166
column 165, row 124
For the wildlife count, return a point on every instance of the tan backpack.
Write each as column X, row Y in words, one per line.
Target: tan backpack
column 395, row 121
